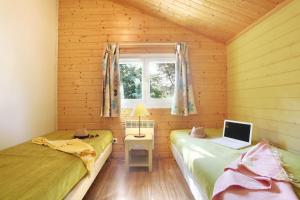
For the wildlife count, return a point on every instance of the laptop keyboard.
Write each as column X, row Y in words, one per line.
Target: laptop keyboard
column 228, row 143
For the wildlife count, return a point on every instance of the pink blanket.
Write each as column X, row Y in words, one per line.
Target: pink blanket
column 257, row 175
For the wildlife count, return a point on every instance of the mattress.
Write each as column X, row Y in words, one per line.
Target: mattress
column 31, row 171
column 206, row 160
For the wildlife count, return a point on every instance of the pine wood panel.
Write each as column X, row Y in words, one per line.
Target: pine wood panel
column 218, row 19
column 263, row 78
column 85, row 26
column 164, row 182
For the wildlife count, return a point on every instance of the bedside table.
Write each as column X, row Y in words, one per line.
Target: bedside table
column 134, row 143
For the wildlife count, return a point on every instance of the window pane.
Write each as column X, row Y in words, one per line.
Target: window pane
column 162, row 79
column 131, row 80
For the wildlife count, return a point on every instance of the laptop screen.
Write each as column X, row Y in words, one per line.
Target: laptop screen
column 238, row 131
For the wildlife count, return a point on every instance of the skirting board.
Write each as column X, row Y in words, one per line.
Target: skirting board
column 78, row 192
column 194, row 186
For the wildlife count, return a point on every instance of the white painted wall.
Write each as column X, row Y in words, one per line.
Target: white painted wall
column 28, row 69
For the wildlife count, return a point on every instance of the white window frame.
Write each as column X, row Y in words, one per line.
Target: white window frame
column 146, row 99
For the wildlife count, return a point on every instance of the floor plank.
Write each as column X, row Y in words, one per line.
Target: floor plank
column 116, row 183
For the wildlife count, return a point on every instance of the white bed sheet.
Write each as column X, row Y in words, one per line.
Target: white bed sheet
column 195, row 187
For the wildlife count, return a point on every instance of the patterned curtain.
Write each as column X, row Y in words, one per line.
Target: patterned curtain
column 183, row 100
column 111, row 82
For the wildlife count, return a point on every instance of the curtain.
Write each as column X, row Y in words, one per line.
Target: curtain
column 111, row 81
column 183, row 100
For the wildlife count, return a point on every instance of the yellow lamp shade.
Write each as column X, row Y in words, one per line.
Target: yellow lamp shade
column 140, row 111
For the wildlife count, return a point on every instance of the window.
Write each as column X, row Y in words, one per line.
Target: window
column 147, row 79
column 131, row 79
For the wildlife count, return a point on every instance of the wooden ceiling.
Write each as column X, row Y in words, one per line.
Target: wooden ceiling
column 217, row 19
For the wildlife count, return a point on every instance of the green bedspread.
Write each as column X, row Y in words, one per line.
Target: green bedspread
column 31, row 171
column 207, row 160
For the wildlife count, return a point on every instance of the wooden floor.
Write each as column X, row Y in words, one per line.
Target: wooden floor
column 165, row 182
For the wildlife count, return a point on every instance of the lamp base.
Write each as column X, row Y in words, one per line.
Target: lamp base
column 140, row 135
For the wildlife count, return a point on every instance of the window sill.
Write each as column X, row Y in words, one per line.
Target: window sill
column 151, row 103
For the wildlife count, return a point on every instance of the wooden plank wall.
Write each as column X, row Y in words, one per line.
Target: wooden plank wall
column 264, row 78
column 85, row 26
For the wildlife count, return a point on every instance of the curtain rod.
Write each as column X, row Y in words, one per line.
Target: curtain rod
column 147, row 44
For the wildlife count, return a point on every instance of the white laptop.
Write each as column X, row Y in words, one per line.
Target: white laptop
column 236, row 134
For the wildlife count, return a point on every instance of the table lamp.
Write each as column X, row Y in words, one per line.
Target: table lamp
column 140, row 111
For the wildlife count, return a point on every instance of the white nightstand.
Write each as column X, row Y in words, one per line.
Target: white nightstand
column 135, row 143
column 145, row 143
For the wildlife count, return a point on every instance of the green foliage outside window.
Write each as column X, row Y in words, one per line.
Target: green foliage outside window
column 131, row 79
column 162, row 80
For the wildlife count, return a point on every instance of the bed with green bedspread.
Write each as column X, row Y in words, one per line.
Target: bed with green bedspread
column 206, row 160
column 31, row 171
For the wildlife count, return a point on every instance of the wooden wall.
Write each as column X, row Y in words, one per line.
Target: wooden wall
column 264, row 77
column 85, row 26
